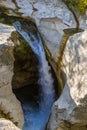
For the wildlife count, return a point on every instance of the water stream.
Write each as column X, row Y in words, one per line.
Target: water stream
column 36, row 117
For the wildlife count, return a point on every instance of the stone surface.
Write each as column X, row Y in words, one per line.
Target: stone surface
column 7, row 3
column 46, row 9
column 8, row 102
column 51, row 18
column 70, row 110
column 52, row 34
column 7, row 125
column 39, row 9
column 83, row 21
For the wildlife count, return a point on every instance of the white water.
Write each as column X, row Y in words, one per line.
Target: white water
column 36, row 119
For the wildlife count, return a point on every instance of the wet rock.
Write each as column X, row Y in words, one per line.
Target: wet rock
column 25, row 64
column 8, row 102
column 51, row 18
column 25, row 79
column 69, row 111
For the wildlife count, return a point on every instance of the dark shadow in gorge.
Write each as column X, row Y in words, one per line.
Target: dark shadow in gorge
column 25, row 78
column 9, row 20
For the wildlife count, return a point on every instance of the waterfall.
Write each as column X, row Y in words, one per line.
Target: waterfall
column 36, row 119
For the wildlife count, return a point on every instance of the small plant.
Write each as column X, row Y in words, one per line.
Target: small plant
column 78, row 5
column 74, row 6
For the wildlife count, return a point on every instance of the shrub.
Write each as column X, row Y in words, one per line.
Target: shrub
column 78, row 5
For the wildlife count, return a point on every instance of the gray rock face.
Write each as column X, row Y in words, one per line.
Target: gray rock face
column 75, row 62
column 8, row 102
column 46, row 9
column 7, row 3
column 51, row 18
column 69, row 111
column 52, row 34
column 83, row 21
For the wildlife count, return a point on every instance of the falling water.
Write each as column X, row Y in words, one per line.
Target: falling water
column 36, row 119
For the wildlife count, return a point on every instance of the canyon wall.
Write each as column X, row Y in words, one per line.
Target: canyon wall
column 52, row 17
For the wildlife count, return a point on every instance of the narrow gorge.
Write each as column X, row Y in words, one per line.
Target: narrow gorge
column 37, row 114
column 42, row 66
column 34, row 81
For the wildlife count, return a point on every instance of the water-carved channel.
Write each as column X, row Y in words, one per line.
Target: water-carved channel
column 36, row 116
column 38, row 97
column 34, row 81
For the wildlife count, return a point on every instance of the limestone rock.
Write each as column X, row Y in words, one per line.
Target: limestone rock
column 51, row 18
column 7, row 125
column 8, row 102
column 52, row 34
column 8, row 4
column 39, row 9
column 70, row 110
column 83, row 21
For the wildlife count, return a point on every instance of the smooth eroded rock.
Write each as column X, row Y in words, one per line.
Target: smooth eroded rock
column 8, row 102
column 70, row 110
column 7, row 125
column 51, row 18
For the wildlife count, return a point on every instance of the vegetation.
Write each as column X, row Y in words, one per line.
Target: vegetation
column 81, row 5
column 74, row 6
column 78, row 5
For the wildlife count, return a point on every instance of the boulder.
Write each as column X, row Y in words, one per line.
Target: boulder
column 9, row 104
column 70, row 110
column 7, row 125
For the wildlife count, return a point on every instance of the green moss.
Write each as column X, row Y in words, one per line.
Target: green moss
column 78, row 5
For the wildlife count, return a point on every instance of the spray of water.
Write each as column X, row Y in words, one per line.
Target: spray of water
column 37, row 119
